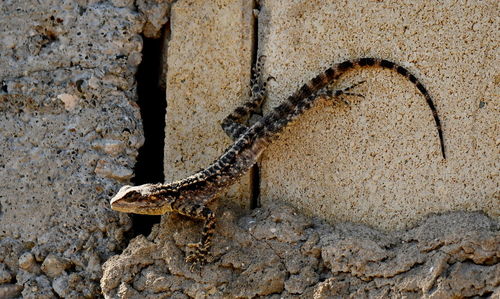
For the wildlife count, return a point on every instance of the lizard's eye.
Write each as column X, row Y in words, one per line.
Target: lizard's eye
column 132, row 196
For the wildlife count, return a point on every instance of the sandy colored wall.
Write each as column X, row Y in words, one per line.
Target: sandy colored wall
column 377, row 161
column 208, row 73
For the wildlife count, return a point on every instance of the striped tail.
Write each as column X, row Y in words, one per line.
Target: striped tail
column 305, row 97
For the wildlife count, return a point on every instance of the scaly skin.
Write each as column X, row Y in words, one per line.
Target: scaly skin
column 191, row 195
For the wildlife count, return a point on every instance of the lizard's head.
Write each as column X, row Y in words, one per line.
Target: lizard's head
column 148, row 199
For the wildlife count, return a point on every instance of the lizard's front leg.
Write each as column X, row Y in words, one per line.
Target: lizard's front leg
column 199, row 251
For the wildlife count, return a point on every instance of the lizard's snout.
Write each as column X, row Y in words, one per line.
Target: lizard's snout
column 121, row 194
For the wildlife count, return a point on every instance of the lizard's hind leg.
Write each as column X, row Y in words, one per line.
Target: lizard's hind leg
column 334, row 94
column 236, row 123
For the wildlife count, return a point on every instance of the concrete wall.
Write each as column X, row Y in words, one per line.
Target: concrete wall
column 70, row 130
column 69, row 134
column 208, row 73
column 377, row 161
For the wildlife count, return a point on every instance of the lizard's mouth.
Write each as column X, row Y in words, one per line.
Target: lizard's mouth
column 125, row 200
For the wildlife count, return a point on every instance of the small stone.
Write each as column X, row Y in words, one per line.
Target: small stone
column 5, row 275
column 93, row 82
column 26, row 261
column 69, row 101
column 109, row 146
column 136, row 141
column 135, row 59
column 61, row 286
column 113, row 171
column 53, row 265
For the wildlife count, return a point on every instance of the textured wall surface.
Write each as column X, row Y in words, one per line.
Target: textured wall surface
column 378, row 161
column 70, row 130
column 69, row 134
column 208, row 74
column 277, row 252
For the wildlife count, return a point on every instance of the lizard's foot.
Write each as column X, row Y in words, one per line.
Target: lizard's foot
column 197, row 257
column 258, row 85
column 340, row 93
column 345, row 92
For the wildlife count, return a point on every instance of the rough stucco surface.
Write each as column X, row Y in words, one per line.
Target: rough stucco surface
column 70, row 131
column 385, row 162
column 378, row 161
column 276, row 252
column 69, row 134
column 208, row 74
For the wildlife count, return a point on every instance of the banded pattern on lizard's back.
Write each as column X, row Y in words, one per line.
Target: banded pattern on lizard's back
column 240, row 156
column 190, row 195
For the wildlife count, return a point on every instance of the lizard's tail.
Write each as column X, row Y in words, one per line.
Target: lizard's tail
column 305, row 97
column 404, row 72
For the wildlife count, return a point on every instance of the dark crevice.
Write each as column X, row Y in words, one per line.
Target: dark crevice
column 152, row 104
column 255, row 170
column 255, row 186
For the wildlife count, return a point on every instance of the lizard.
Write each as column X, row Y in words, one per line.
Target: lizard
column 190, row 196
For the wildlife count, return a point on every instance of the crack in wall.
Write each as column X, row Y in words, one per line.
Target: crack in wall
column 255, row 170
column 152, row 104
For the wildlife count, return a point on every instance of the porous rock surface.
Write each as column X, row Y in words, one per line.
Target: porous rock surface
column 69, row 134
column 277, row 252
column 363, row 162
column 209, row 63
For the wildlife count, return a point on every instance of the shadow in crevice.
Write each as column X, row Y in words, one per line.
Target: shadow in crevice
column 255, row 170
column 152, row 104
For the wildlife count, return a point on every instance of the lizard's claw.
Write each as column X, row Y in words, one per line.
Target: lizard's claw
column 345, row 92
column 340, row 94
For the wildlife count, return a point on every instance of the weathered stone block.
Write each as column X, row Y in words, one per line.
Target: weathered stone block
column 208, row 74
